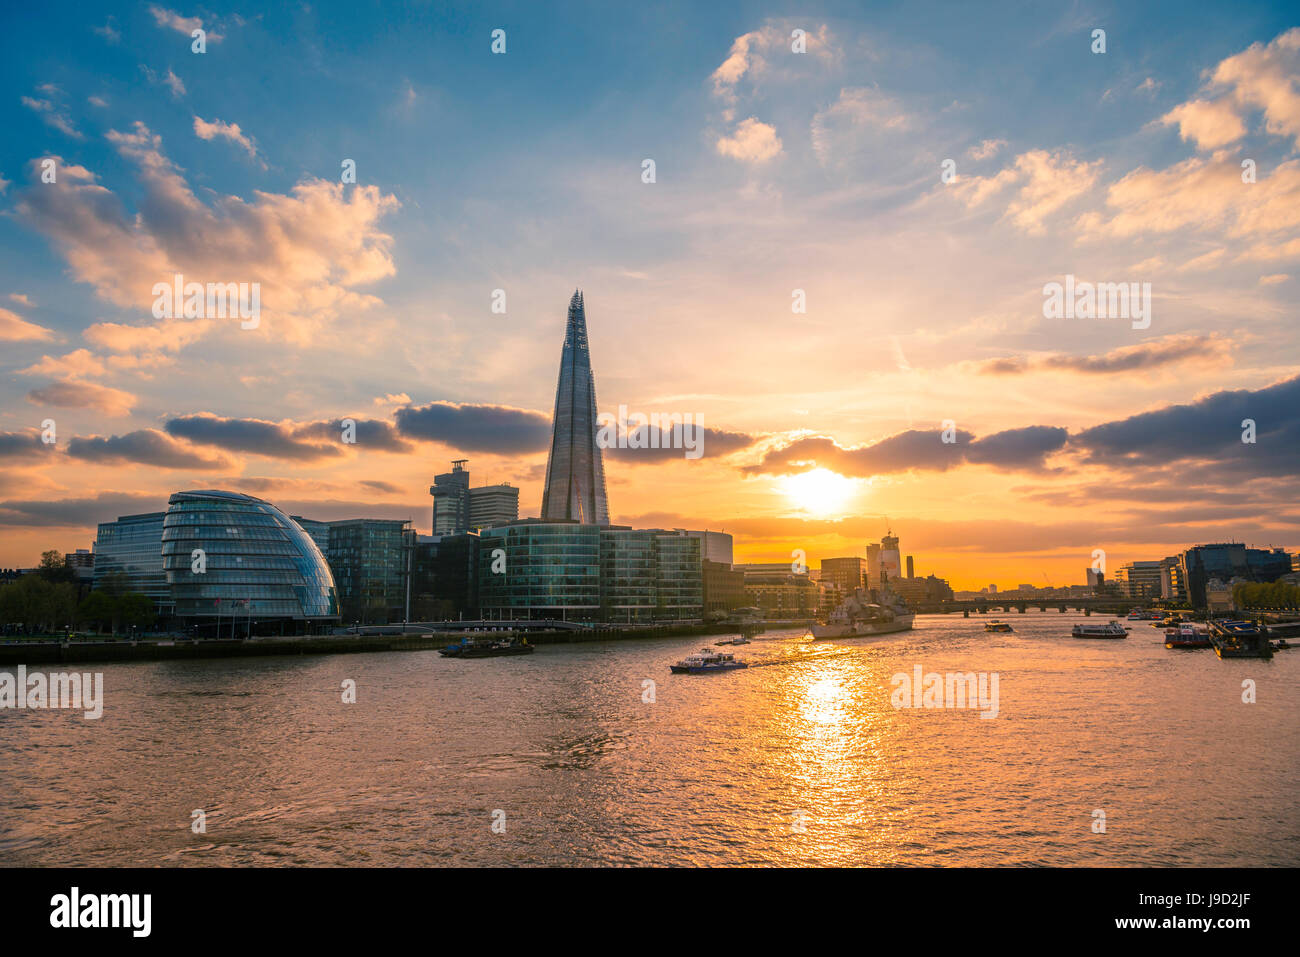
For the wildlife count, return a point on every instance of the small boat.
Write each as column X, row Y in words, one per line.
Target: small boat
column 1141, row 614
column 469, row 647
column 998, row 626
column 1282, row 644
column 1186, row 636
column 706, row 661
column 742, row 640
column 1112, row 629
column 1239, row 639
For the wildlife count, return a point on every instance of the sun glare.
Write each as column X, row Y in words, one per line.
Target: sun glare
column 820, row 492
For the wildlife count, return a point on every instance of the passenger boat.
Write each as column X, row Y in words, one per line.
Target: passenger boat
column 1141, row 614
column 742, row 640
column 859, row 617
column 1112, row 629
column 472, row 647
column 706, row 661
column 998, row 626
column 1186, row 636
column 1239, row 639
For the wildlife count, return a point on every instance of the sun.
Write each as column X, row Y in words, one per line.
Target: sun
column 820, row 492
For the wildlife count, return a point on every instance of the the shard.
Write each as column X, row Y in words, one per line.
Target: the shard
column 575, row 473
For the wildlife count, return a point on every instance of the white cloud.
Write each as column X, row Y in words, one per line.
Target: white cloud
column 206, row 130
column 752, row 142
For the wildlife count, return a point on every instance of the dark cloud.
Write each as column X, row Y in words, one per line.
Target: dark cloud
column 251, row 435
column 77, row 512
column 378, row 486
column 1024, row 448
column 146, row 446
column 24, row 444
column 370, row 434
column 1169, row 350
column 713, row 443
column 476, row 428
column 1209, row 431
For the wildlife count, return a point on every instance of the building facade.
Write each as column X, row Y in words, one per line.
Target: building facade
column 1226, row 561
column 369, row 558
column 129, row 551
column 450, row 493
column 492, row 505
column 229, row 555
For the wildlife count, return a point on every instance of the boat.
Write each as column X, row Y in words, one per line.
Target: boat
column 472, row 647
column 1186, row 636
column 1239, row 639
column 1173, row 621
column 706, row 661
column 1282, row 644
column 1141, row 614
column 742, row 640
column 859, row 617
column 998, row 626
column 1112, row 629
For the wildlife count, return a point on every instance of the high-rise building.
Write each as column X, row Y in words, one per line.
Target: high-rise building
column 129, row 551
column 890, row 564
column 575, row 471
column 873, row 564
column 910, row 572
column 369, row 558
column 844, row 574
column 450, row 493
column 1225, row 561
column 492, row 505
column 457, row 508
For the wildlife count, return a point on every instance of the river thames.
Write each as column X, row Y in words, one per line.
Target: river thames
column 1101, row 753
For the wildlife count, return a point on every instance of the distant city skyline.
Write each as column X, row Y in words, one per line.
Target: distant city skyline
column 799, row 269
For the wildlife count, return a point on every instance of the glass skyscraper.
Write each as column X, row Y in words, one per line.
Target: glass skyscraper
column 575, row 472
column 257, row 561
column 132, row 547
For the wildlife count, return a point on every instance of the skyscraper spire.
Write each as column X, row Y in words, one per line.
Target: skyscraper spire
column 575, row 472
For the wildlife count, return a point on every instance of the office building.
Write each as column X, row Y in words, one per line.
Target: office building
column 1226, row 561
column 444, row 577
column 229, row 555
column 780, row 593
column 369, row 558
column 450, row 493
column 843, row 575
column 575, row 470
column 724, row 587
column 128, row 555
column 492, row 505
column 714, row 546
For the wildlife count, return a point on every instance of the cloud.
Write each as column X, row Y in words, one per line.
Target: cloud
column 1265, row 77
column 145, row 447
column 229, row 131
column 858, row 112
column 715, row 444
column 70, row 394
column 171, row 20
column 370, row 434
column 477, row 428
column 170, row 80
column 82, row 363
column 21, row 298
column 1154, row 354
column 109, row 30
column 308, row 249
column 1047, row 182
column 256, row 436
column 24, row 444
column 1273, row 279
column 752, row 142
column 985, row 149
column 1209, row 430
column 1211, row 123
column 53, row 115
column 1013, row 449
column 14, row 328
column 77, row 512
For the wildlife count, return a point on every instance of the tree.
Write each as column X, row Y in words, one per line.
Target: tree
column 96, row 609
column 53, row 567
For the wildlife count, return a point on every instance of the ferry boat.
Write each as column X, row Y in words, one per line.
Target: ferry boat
column 1112, row 629
column 472, row 647
column 1141, row 614
column 998, row 626
column 858, row 617
column 706, row 661
column 1239, row 639
column 1186, row 636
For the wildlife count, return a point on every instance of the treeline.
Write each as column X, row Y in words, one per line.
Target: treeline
column 47, row 601
column 1265, row 595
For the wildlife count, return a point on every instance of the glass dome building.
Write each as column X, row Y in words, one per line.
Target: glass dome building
column 254, row 562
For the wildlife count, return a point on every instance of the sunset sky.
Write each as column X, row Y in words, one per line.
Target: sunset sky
column 775, row 171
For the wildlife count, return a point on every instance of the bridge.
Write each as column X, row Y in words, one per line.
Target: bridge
column 1102, row 606
column 480, row 624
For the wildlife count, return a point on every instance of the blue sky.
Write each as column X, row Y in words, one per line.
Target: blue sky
column 775, row 171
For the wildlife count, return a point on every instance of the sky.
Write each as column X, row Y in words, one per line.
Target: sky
column 838, row 266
